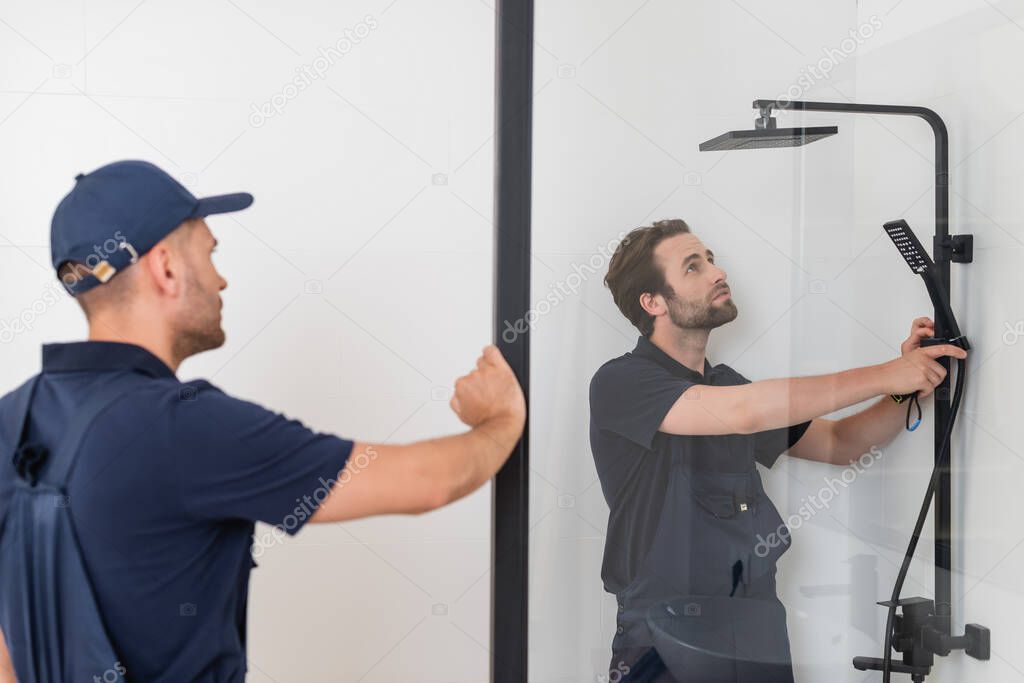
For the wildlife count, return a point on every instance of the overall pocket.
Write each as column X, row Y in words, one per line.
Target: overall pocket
column 720, row 528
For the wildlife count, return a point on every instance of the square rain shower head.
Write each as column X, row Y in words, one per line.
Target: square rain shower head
column 762, row 138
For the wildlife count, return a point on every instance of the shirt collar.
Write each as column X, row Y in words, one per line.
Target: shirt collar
column 99, row 356
column 646, row 348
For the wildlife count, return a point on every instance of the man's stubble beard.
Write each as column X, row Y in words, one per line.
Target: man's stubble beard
column 200, row 330
column 687, row 315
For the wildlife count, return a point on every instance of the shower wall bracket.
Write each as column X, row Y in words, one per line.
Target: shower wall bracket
column 958, row 248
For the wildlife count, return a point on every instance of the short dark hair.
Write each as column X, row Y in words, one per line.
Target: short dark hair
column 119, row 290
column 115, row 292
column 632, row 271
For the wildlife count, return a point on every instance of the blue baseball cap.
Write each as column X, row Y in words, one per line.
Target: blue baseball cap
column 117, row 213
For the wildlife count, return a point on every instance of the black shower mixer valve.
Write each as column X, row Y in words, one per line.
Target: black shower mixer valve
column 918, row 636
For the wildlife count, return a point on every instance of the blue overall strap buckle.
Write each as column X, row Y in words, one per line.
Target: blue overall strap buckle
column 29, row 460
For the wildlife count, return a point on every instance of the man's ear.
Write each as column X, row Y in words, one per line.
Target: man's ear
column 163, row 268
column 653, row 304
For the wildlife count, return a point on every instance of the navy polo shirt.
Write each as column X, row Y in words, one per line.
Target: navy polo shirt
column 164, row 496
column 629, row 398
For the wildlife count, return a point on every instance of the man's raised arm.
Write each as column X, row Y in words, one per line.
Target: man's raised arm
column 414, row 478
column 774, row 403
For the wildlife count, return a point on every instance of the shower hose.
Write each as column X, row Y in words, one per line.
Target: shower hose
column 940, row 463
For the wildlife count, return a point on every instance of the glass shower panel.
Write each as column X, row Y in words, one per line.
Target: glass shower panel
column 757, row 550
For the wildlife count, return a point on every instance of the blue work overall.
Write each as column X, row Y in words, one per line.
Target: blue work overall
column 48, row 611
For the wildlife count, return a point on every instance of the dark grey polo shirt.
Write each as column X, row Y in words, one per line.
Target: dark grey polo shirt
column 629, row 397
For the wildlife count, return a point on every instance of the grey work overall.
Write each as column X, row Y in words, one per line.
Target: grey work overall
column 708, row 543
column 690, row 529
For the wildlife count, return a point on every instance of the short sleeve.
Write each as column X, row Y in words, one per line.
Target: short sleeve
column 632, row 397
column 770, row 444
column 238, row 460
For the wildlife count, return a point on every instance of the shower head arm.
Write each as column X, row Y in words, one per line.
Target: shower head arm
column 941, row 257
column 933, row 119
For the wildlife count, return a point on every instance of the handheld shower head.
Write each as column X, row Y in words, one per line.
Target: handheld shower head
column 921, row 264
column 909, row 246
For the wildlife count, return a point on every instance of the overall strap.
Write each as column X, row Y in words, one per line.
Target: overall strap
column 22, row 402
column 27, row 459
column 69, row 446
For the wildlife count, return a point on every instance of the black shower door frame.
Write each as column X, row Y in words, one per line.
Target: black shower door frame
column 511, row 494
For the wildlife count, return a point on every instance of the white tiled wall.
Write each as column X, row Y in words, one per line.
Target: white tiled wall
column 359, row 281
